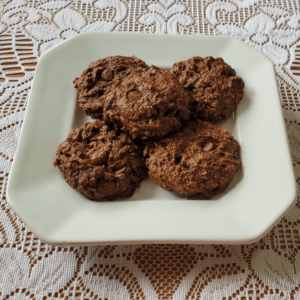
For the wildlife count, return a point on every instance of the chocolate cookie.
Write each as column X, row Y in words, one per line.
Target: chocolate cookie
column 213, row 84
column 101, row 76
column 148, row 103
column 101, row 163
column 201, row 158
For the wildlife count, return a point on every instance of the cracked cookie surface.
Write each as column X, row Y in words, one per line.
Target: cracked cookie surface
column 99, row 78
column 148, row 103
column 200, row 159
column 101, row 162
column 214, row 87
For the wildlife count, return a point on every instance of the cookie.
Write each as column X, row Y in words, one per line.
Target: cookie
column 213, row 84
column 201, row 158
column 100, row 77
column 101, row 162
column 148, row 103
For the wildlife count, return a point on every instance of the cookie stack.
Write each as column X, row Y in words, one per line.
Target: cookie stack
column 156, row 122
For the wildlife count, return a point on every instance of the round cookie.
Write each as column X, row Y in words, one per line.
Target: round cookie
column 213, row 85
column 100, row 162
column 201, row 159
column 101, row 76
column 148, row 103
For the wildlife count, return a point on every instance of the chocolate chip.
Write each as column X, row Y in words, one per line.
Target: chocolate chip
column 116, row 127
column 175, row 72
column 114, row 136
column 183, row 164
column 208, row 147
column 98, row 158
column 107, row 74
column 228, row 72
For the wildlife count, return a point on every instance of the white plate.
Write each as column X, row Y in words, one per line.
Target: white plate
column 261, row 192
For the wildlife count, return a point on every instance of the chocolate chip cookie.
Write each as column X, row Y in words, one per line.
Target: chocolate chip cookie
column 101, row 162
column 100, row 77
column 213, row 84
column 201, row 159
column 148, row 103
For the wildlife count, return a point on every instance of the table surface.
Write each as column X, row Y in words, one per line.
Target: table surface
column 30, row 269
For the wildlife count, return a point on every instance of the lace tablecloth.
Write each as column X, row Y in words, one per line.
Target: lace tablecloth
column 30, row 269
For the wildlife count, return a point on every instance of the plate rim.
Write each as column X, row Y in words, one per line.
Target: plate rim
column 48, row 240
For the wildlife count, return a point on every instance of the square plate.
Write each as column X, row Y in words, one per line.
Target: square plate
column 261, row 192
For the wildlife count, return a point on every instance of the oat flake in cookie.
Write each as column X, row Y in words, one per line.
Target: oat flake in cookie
column 201, row 159
column 148, row 103
column 100, row 163
column 213, row 84
column 101, row 76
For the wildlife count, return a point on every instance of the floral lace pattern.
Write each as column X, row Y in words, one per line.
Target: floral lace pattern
column 30, row 269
